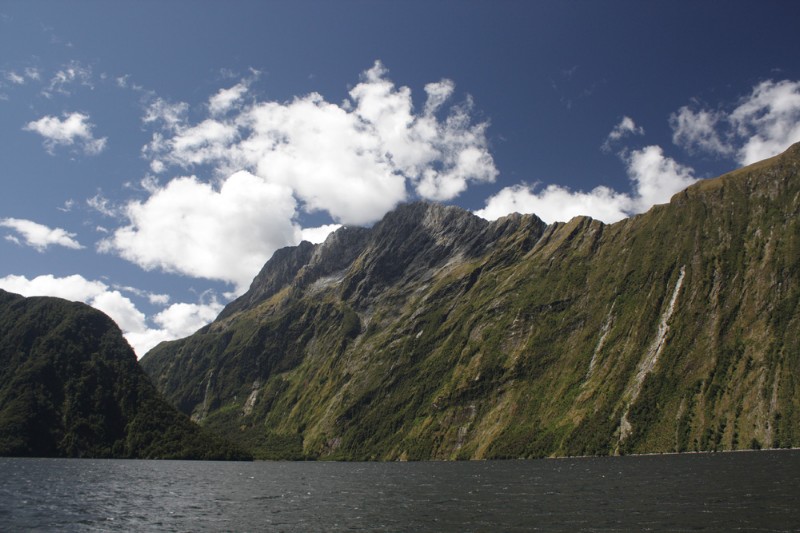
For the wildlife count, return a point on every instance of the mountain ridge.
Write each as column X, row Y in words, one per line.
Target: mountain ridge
column 437, row 334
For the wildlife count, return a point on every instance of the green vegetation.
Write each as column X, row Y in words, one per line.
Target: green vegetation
column 70, row 386
column 437, row 335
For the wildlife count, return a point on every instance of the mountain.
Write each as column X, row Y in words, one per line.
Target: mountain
column 70, row 386
column 438, row 335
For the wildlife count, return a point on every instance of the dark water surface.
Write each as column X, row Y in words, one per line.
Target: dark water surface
column 756, row 491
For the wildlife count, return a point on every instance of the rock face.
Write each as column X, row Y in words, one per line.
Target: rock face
column 436, row 334
column 70, row 386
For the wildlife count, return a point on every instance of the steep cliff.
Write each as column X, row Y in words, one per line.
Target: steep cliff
column 436, row 334
column 70, row 386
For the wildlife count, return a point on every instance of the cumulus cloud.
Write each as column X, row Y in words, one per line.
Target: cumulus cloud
column 39, row 236
column 768, row 120
column 270, row 161
column 556, row 203
column 225, row 233
column 75, row 287
column 176, row 321
column 354, row 161
column 158, row 299
column 763, row 124
column 654, row 179
column 319, row 234
column 73, row 129
column 697, row 131
column 206, row 141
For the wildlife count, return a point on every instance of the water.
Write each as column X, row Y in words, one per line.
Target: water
column 758, row 491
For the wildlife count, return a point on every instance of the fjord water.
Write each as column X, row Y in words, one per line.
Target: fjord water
column 750, row 491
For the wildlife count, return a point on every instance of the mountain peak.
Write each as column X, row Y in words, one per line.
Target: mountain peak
column 418, row 231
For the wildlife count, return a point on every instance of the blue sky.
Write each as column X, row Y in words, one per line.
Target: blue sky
column 155, row 154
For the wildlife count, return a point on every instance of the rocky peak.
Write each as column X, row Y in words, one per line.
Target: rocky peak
column 280, row 270
column 413, row 240
column 334, row 255
column 408, row 243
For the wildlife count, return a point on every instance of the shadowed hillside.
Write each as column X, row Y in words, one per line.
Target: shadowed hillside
column 70, row 386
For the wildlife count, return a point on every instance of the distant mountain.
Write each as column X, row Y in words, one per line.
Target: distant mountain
column 439, row 335
column 70, row 386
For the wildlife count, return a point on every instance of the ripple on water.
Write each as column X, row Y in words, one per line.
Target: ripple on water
column 736, row 491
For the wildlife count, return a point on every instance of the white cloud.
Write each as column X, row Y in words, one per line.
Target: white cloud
column 172, row 115
column 625, row 128
column 225, row 233
column 153, row 298
column 158, row 299
column 224, row 100
column 438, row 94
column 70, row 74
column 182, row 319
column 319, row 234
column 768, row 120
column 177, row 321
column 762, row 125
column 15, row 78
column 102, row 205
column 157, row 166
column 150, row 184
column 354, row 161
column 654, row 179
column 438, row 157
column 697, row 131
column 121, row 310
column 324, row 155
column 555, row 203
column 75, row 128
column 68, row 206
column 29, row 73
column 207, row 141
column 38, row 235
column 75, row 287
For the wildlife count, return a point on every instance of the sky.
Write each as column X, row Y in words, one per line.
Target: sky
column 153, row 155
